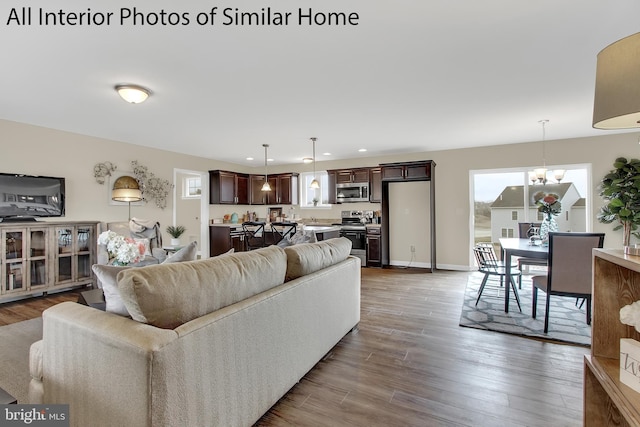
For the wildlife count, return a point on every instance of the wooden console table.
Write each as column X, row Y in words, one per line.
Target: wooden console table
column 616, row 283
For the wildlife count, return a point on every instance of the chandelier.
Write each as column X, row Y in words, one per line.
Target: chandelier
column 539, row 175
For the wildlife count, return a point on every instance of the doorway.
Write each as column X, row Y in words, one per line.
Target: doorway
column 191, row 207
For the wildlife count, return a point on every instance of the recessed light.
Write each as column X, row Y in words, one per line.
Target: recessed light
column 326, row 154
column 362, row 150
column 249, row 158
column 269, row 160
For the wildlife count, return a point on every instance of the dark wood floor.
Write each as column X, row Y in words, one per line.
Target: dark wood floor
column 410, row 364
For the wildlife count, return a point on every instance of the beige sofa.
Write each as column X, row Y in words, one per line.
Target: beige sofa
column 213, row 342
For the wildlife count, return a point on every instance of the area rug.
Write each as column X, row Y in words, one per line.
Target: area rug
column 567, row 322
column 14, row 356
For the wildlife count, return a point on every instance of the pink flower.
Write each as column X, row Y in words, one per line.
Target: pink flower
column 549, row 199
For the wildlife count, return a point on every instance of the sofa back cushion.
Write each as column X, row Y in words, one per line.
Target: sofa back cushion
column 168, row 295
column 307, row 258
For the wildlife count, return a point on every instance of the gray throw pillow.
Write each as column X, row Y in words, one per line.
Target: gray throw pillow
column 188, row 253
column 107, row 280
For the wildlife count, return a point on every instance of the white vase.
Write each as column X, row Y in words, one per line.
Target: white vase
column 175, row 242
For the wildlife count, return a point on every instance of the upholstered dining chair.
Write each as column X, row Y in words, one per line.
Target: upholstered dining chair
column 491, row 266
column 525, row 231
column 254, row 235
column 569, row 270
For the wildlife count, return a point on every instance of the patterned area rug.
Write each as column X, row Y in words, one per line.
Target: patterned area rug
column 567, row 322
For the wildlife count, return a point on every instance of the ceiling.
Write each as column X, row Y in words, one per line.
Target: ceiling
column 412, row 76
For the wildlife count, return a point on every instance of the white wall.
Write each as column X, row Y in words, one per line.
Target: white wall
column 34, row 150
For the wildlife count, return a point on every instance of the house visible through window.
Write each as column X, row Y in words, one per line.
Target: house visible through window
column 514, row 215
column 192, row 187
column 507, row 232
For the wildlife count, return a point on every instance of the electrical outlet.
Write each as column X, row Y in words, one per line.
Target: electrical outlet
column 413, row 249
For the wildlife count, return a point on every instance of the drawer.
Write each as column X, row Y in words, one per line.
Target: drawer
column 373, row 230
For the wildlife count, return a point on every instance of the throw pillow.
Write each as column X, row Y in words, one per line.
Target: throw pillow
column 107, row 280
column 147, row 248
column 188, row 253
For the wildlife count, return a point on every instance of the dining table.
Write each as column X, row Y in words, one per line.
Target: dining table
column 520, row 248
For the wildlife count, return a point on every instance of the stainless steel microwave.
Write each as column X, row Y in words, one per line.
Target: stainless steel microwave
column 353, row 192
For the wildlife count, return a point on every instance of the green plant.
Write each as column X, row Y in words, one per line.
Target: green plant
column 176, row 231
column 620, row 188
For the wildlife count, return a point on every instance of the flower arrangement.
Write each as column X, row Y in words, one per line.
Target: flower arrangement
column 549, row 204
column 122, row 250
column 630, row 315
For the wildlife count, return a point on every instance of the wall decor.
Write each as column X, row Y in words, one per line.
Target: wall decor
column 153, row 188
column 102, row 170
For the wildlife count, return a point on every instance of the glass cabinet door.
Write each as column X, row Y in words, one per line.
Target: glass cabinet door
column 84, row 237
column 13, row 260
column 37, row 261
column 64, row 242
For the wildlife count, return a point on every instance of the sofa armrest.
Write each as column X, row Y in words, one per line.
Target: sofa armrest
column 96, row 361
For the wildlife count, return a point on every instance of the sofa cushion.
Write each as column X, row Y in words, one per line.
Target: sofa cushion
column 35, row 360
column 107, row 280
column 307, row 258
column 168, row 295
column 188, row 253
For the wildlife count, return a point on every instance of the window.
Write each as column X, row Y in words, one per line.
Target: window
column 507, row 232
column 314, row 198
column 514, row 215
column 192, row 187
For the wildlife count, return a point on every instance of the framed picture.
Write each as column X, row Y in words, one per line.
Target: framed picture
column 109, row 183
column 274, row 213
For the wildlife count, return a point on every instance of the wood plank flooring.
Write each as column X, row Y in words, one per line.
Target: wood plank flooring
column 410, row 364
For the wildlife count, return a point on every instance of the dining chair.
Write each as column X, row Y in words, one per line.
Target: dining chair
column 525, row 231
column 254, row 235
column 491, row 266
column 569, row 271
column 281, row 230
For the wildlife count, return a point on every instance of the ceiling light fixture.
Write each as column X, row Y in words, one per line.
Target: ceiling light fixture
column 265, row 186
column 617, row 94
column 307, row 159
column 540, row 174
column 314, row 183
column 133, row 94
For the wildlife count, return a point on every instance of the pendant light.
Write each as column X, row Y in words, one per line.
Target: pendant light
column 314, row 183
column 265, row 186
column 541, row 173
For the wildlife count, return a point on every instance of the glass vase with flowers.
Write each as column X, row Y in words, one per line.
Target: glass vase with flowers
column 549, row 205
column 122, row 250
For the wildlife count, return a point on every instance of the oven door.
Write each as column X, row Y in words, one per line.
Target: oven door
column 357, row 237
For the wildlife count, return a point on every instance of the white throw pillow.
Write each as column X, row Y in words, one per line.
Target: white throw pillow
column 188, row 253
column 108, row 280
column 147, row 247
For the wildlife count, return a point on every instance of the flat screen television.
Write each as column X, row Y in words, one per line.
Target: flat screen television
column 27, row 197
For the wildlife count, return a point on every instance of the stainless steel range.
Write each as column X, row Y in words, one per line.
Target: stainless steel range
column 353, row 227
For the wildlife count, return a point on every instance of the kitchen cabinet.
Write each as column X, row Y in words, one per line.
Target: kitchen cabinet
column 616, row 283
column 331, row 183
column 406, row 171
column 228, row 188
column 373, row 246
column 375, row 185
column 40, row 257
column 223, row 237
column 284, row 189
column 348, row 176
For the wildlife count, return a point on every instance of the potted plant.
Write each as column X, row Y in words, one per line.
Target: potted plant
column 620, row 188
column 175, row 231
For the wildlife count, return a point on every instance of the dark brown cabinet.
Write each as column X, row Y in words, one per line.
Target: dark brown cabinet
column 331, row 182
column 410, row 171
column 375, row 185
column 347, row 176
column 222, row 238
column 228, row 188
column 374, row 247
column 284, row 189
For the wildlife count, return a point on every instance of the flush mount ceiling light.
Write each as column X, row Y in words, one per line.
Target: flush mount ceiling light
column 307, row 159
column 314, row 183
column 617, row 95
column 133, row 94
column 265, row 186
